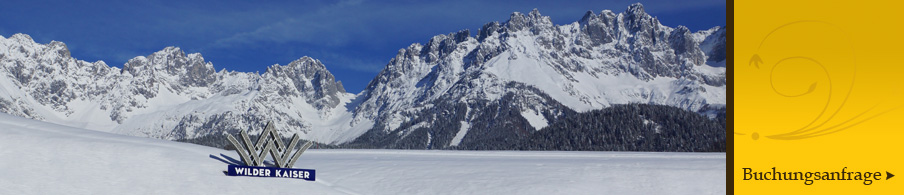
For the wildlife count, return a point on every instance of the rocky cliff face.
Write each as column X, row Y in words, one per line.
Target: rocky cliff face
column 515, row 77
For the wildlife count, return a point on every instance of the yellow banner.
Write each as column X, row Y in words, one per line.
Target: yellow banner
column 818, row 97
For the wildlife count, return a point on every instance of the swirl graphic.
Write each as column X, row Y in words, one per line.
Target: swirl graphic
column 817, row 126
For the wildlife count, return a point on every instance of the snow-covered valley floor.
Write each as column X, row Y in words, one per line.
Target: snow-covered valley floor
column 44, row 158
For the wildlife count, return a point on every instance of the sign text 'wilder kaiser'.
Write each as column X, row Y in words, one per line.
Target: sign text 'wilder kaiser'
column 253, row 155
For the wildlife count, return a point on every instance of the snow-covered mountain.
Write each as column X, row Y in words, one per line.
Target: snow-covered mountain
column 517, row 76
column 456, row 91
column 170, row 94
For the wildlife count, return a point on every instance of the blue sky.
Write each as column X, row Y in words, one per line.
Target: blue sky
column 354, row 38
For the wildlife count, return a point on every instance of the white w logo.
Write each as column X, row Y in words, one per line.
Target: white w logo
column 270, row 142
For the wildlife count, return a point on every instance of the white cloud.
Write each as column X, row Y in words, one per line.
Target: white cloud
column 319, row 26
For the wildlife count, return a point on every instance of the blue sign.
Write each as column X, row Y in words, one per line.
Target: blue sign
column 253, row 171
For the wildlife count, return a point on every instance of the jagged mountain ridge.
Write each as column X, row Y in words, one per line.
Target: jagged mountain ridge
column 170, row 94
column 508, row 81
column 515, row 77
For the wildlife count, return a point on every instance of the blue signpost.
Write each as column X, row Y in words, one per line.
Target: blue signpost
column 252, row 171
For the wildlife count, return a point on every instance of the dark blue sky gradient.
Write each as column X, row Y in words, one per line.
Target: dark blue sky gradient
column 354, row 39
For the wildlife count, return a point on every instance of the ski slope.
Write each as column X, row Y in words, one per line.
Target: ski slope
column 44, row 158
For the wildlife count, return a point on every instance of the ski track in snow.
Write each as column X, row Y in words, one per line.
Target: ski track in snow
column 45, row 158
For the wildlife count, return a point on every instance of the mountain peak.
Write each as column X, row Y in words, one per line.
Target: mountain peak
column 639, row 22
column 20, row 36
column 682, row 29
column 516, row 16
column 588, row 16
column 307, row 76
column 171, row 48
column 61, row 48
column 302, row 60
column 306, row 67
column 307, row 64
column 170, row 51
column 517, row 21
column 487, row 30
column 636, row 9
column 535, row 13
column 190, row 70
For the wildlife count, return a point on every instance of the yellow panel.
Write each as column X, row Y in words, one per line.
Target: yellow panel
column 818, row 87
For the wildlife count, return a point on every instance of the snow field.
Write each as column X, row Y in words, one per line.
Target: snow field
column 44, row 158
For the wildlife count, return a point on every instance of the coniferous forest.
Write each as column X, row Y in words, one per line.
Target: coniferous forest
column 629, row 127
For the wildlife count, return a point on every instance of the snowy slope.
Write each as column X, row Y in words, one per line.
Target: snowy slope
column 44, row 158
